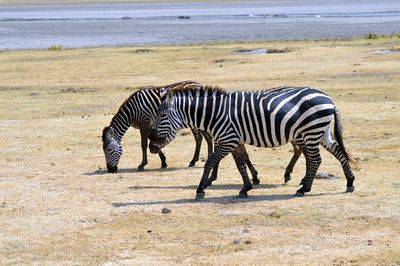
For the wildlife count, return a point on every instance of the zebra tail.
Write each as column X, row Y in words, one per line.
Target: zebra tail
column 338, row 131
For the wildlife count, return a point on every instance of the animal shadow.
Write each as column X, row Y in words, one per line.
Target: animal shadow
column 135, row 170
column 223, row 199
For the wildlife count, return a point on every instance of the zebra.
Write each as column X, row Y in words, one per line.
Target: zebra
column 154, row 148
column 139, row 111
column 300, row 115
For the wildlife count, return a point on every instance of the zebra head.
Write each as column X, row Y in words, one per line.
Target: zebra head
column 112, row 149
column 167, row 122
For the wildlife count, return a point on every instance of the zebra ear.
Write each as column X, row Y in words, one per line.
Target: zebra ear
column 108, row 133
column 170, row 96
column 163, row 92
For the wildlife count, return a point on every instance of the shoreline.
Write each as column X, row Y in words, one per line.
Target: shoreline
column 17, row 3
column 370, row 36
column 192, row 23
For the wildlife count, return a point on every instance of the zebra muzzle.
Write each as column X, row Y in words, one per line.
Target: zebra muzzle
column 155, row 138
column 154, row 148
column 112, row 168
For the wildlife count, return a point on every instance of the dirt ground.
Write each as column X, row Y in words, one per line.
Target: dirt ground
column 58, row 205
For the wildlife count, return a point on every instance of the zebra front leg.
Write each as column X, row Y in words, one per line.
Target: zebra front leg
column 313, row 161
column 212, row 161
column 198, row 138
column 289, row 169
column 209, row 140
column 240, row 158
column 163, row 159
column 144, row 138
column 242, row 149
column 214, row 175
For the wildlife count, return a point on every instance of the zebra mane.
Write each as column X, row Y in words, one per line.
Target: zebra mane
column 276, row 89
column 174, row 86
column 197, row 87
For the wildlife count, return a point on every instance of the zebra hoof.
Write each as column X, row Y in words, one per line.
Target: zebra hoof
column 192, row 164
column 209, row 183
column 350, row 189
column 256, row 181
column 140, row 168
column 243, row 195
column 299, row 194
column 200, row 196
column 164, row 165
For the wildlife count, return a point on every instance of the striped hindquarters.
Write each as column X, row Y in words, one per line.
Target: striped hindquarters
column 275, row 117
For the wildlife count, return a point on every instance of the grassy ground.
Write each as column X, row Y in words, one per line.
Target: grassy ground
column 58, row 204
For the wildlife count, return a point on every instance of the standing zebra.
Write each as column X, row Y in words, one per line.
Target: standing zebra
column 139, row 111
column 299, row 115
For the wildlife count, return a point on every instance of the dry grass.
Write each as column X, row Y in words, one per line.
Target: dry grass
column 57, row 204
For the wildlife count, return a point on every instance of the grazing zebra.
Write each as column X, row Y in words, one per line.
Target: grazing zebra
column 300, row 115
column 139, row 111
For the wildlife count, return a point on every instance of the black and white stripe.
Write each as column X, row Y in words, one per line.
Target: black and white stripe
column 297, row 115
column 139, row 111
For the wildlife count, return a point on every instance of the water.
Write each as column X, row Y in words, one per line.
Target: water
column 31, row 27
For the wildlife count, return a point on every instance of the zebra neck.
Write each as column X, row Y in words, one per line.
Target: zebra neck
column 120, row 124
column 201, row 112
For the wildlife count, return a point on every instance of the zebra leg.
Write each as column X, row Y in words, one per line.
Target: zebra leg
column 212, row 161
column 209, row 140
column 198, row 138
column 334, row 148
column 214, row 175
column 253, row 171
column 240, row 159
column 163, row 159
column 313, row 161
column 293, row 161
column 144, row 137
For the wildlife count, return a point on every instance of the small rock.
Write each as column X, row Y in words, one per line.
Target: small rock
column 247, row 242
column 166, row 210
column 149, row 231
column 326, row 176
column 274, row 214
column 246, row 231
column 53, row 164
column 236, row 241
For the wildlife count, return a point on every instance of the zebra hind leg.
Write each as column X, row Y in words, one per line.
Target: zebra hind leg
column 240, row 159
column 337, row 151
column 313, row 161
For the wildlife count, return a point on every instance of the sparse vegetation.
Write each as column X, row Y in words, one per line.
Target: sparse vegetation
column 74, row 212
column 374, row 36
column 55, row 48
